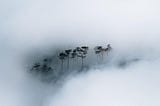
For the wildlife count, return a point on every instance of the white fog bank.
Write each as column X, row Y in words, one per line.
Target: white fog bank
column 137, row 85
column 38, row 26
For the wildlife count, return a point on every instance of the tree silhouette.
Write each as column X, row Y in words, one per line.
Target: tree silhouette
column 85, row 49
column 45, row 67
column 42, row 68
column 74, row 54
column 62, row 57
column 82, row 52
column 108, row 49
column 82, row 56
column 68, row 56
column 101, row 50
column 78, row 55
column 98, row 50
column 36, row 67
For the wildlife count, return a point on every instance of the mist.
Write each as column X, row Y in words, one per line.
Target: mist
column 32, row 29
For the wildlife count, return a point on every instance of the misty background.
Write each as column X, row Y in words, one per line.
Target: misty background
column 131, row 27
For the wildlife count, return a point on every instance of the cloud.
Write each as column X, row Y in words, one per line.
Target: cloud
column 135, row 86
column 132, row 28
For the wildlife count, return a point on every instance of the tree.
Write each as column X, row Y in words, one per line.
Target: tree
column 82, row 52
column 74, row 53
column 68, row 56
column 108, row 49
column 101, row 50
column 36, row 67
column 62, row 57
column 98, row 50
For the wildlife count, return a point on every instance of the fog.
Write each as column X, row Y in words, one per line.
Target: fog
column 37, row 28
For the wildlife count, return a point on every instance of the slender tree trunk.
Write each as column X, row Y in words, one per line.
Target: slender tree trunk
column 77, row 60
column 97, row 58
column 82, row 64
column 68, row 64
column 107, row 52
column 62, row 66
column 102, row 56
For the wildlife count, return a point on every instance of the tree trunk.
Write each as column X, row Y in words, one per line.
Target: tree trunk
column 82, row 64
column 68, row 63
column 62, row 66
